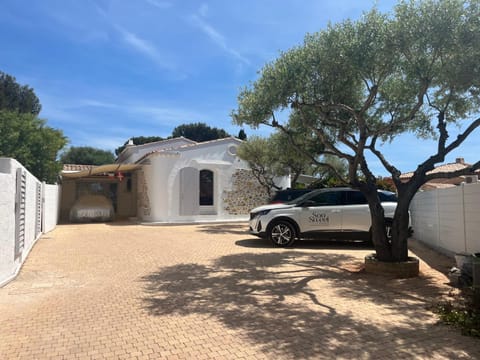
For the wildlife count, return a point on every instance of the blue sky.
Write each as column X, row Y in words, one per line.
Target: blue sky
column 107, row 70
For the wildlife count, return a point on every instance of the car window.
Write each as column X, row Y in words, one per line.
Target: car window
column 326, row 198
column 387, row 196
column 302, row 198
column 355, row 198
column 288, row 195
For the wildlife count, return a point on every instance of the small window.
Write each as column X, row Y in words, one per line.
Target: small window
column 206, row 188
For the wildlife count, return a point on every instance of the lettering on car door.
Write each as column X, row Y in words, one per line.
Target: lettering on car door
column 324, row 213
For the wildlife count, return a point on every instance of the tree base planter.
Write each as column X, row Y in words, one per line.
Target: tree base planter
column 402, row 270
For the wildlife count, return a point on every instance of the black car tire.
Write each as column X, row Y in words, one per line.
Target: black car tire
column 282, row 233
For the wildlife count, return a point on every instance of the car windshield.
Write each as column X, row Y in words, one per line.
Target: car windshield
column 302, row 198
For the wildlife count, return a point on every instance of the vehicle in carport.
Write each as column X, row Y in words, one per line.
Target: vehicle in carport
column 92, row 208
column 333, row 213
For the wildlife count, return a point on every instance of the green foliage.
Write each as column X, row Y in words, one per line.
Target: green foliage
column 386, row 184
column 330, row 176
column 196, row 131
column 461, row 312
column 25, row 137
column 35, row 145
column 262, row 159
column 376, row 77
column 242, row 135
column 15, row 97
column 276, row 156
column 138, row 140
column 199, row 132
column 87, row 155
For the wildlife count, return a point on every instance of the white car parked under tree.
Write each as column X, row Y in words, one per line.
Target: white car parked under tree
column 325, row 213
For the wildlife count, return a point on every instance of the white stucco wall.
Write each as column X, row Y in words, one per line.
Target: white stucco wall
column 51, row 194
column 448, row 219
column 163, row 178
column 7, row 227
column 9, row 264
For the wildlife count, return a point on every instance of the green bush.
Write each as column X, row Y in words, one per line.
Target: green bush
column 461, row 312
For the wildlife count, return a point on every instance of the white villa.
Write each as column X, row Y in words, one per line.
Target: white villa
column 171, row 181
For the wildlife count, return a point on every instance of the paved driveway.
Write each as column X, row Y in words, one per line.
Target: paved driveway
column 125, row 291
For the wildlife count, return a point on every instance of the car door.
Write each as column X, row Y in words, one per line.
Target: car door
column 322, row 212
column 355, row 212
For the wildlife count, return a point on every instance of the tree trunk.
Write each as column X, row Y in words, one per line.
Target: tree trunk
column 400, row 230
column 401, row 219
column 379, row 237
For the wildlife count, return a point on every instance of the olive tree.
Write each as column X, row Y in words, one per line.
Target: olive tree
column 361, row 83
column 276, row 156
column 261, row 159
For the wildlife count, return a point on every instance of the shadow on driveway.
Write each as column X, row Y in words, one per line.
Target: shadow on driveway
column 301, row 304
column 307, row 244
column 238, row 229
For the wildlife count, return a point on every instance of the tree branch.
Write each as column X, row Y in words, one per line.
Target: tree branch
column 442, row 128
column 386, row 164
column 461, row 137
column 371, row 98
column 394, row 122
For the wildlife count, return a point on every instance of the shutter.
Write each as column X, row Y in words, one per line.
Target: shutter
column 20, row 198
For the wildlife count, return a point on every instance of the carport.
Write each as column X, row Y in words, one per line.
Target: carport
column 117, row 182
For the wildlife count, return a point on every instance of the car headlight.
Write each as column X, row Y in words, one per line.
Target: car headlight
column 260, row 213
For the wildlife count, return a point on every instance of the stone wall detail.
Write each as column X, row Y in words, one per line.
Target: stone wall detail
column 143, row 199
column 246, row 193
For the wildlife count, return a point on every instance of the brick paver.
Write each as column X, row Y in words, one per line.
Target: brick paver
column 123, row 291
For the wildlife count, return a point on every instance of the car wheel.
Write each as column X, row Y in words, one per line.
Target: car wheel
column 282, row 233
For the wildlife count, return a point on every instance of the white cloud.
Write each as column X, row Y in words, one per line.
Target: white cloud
column 144, row 47
column 217, row 38
column 96, row 103
column 160, row 4
column 203, row 11
column 163, row 115
column 138, row 44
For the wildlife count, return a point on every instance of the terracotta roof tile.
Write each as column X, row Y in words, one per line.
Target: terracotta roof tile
column 451, row 167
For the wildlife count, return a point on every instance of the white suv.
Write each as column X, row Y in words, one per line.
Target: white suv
column 331, row 213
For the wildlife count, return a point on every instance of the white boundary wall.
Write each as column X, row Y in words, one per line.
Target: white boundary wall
column 51, row 207
column 448, row 219
column 41, row 204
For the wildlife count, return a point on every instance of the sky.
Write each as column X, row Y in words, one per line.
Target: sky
column 108, row 70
